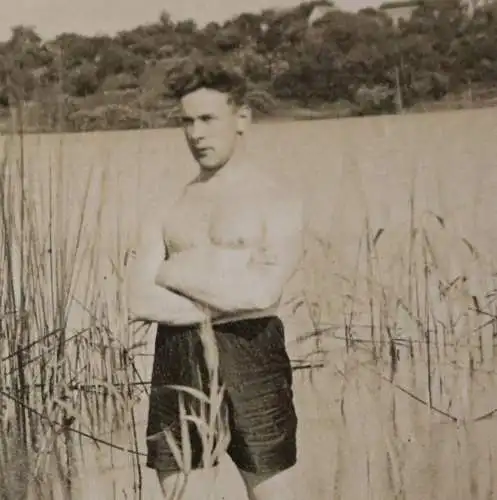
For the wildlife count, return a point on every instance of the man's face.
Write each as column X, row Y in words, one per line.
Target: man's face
column 212, row 125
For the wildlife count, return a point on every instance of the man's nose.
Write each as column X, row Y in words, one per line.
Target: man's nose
column 197, row 131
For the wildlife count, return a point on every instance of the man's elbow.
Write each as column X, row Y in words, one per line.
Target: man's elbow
column 137, row 309
column 138, row 304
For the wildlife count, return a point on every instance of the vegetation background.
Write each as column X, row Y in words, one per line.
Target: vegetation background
column 300, row 65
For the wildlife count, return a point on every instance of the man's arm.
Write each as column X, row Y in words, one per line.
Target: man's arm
column 146, row 300
column 231, row 280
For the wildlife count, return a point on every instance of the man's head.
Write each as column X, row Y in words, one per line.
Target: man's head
column 214, row 110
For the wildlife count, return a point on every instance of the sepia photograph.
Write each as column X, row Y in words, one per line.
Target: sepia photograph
column 248, row 250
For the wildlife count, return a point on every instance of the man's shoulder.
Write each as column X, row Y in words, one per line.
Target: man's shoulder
column 269, row 186
column 155, row 216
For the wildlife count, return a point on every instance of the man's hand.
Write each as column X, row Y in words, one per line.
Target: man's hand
column 220, row 262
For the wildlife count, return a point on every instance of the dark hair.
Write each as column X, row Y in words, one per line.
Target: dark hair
column 211, row 73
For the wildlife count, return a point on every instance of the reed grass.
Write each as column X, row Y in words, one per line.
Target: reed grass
column 62, row 329
column 415, row 351
column 68, row 371
column 405, row 325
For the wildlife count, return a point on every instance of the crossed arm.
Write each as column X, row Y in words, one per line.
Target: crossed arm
column 148, row 301
column 232, row 280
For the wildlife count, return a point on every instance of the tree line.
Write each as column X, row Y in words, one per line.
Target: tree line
column 347, row 63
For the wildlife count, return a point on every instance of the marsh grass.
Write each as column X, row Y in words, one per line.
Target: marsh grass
column 68, row 373
column 405, row 323
column 413, row 344
column 65, row 340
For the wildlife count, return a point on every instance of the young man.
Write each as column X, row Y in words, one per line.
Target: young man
column 223, row 254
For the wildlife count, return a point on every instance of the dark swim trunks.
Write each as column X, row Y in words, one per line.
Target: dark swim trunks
column 256, row 372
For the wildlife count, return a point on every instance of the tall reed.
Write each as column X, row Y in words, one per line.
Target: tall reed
column 414, row 348
column 69, row 381
column 67, row 370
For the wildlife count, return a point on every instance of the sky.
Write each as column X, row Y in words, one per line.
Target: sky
column 88, row 17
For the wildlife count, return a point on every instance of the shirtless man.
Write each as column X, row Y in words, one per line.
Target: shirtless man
column 223, row 254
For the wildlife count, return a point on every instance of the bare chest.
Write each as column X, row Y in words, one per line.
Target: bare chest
column 219, row 217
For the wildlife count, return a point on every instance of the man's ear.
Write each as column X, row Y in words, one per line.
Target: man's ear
column 244, row 118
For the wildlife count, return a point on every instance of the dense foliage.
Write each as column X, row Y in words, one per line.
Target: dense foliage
column 349, row 63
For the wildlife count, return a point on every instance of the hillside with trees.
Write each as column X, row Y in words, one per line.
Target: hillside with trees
column 299, row 66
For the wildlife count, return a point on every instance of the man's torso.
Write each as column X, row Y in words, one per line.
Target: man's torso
column 227, row 212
